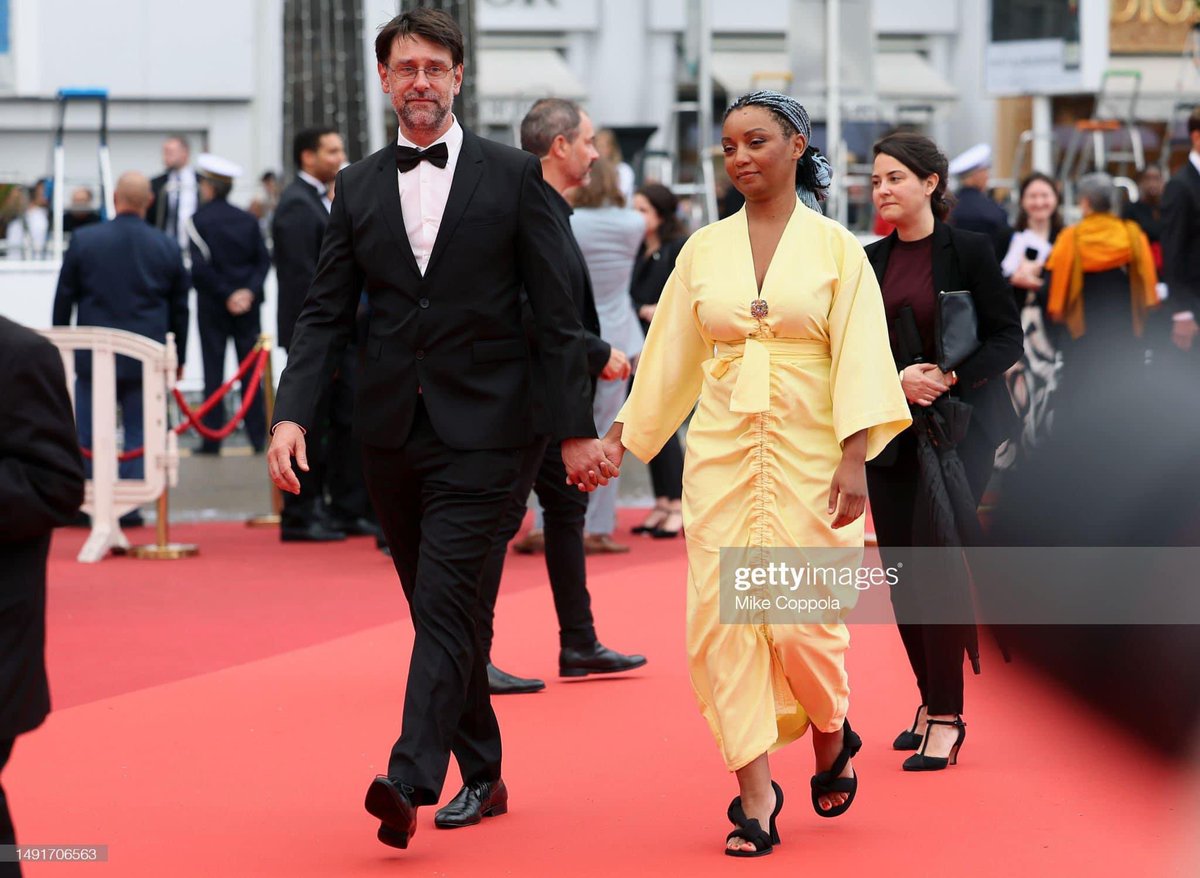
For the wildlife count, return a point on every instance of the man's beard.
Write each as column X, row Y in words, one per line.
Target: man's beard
column 425, row 116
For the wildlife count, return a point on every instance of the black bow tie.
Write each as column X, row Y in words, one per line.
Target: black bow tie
column 408, row 158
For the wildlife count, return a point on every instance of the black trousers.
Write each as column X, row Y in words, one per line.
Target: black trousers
column 666, row 470
column 439, row 509
column 934, row 651
column 217, row 327
column 7, row 833
column 564, row 509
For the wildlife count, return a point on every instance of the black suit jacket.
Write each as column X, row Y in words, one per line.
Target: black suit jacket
column 1181, row 240
column 455, row 333
column 297, row 230
column 124, row 275
column 228, row 253
column 41, row 487
column 157, row 214
column 965, row 260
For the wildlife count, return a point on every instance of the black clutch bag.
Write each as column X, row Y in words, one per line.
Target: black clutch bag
column 957, row 329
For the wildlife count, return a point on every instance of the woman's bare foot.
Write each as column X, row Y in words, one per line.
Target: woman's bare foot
column 826, row 747
column 758, row 798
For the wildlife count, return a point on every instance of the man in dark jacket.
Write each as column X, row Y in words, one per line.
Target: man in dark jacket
column 127, row 275
column 41, row 487
column 229, row 265
column 1180, row 237
column 297, row 231
column 561, row 135
column 975, row 210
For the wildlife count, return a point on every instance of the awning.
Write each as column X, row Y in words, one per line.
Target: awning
column 510, row 80
column 534, row 73
column 899, row 76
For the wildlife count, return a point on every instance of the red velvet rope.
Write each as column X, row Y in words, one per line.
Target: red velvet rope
column 256, row 358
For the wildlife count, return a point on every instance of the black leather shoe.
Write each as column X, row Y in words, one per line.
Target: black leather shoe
column 502, row 683
column 355, row 527
column 473, row 802
column 391, row 801
column 311, row 533
column 599, row 659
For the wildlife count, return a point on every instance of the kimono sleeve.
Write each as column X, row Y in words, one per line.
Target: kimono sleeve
column 862, row 374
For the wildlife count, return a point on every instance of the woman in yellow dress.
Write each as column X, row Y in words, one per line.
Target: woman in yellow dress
column 774, row 321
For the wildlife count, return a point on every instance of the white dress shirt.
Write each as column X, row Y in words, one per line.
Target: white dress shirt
column 321, row 188
column 182, row 190
column 424, row 191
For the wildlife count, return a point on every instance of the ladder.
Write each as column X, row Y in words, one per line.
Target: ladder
column 107, row 210
column 1107, row 119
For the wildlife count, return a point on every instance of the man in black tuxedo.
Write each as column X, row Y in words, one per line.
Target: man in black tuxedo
column 1181, row 243
column 443, row 230
column 560, row 134
column 297, row 230
column 176, row 191
column 41, row 487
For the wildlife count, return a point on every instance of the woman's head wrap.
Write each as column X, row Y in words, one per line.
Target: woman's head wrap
column 814, row 175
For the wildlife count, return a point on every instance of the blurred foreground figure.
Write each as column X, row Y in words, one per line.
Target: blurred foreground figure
column 41, row 487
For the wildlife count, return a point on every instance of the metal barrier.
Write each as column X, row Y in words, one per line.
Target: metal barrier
column 108, row 497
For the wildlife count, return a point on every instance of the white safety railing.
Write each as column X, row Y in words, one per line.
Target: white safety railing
column 108, row 497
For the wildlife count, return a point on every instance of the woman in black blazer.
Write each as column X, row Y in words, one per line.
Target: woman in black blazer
column 920, row 258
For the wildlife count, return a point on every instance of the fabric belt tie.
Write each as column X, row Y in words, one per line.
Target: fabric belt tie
column 752, row 392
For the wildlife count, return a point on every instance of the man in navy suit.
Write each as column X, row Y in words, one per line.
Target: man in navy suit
column 229, row 265
column 127, row 275
column 1180, row 237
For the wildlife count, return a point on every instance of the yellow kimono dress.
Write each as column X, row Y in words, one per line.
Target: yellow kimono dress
column 777, row 396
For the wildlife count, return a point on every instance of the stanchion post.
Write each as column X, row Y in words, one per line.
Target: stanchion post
column 163, row 549
column 272, row 518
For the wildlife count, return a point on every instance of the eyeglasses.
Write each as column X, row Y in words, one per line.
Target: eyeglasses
column 433, row 73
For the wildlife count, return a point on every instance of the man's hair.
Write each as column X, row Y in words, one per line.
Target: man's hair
column 546, row 120
column 181, row 140
column 308, row 139
column 221, row 188
column 430, row 24
column 1099, row 191
column 1194, row 121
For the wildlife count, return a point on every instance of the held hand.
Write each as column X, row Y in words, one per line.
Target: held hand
column 1183, row 333
column 1028, row 276
column 923, row 383
column 848, row 492
column 646, row 312
column 239, row 302
column 613, row 449
column 617, row 368
column 587, row 467
column 286, row 442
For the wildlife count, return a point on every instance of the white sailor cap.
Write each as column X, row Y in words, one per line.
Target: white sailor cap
column 978, row 156
column 217, row 168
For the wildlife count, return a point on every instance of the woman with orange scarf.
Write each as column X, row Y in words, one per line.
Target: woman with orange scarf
column 1102, row 280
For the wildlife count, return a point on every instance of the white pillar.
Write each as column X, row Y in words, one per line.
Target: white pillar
column 1043, row 134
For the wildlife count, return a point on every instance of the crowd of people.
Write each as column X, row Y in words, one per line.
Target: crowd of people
column 506, row 323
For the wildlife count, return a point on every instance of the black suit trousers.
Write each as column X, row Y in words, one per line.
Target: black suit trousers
column 565, row 509
column 934, row 651
column 217, row 326
column 439, row 509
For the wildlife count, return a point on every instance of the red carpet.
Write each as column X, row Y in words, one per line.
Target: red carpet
column 223, row 715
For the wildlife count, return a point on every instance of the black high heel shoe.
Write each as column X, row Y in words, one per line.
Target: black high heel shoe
column 910, row 740
column 750, row 830
column 649, row 529
column 921, row 762
column 825, row 783
column 661, row 533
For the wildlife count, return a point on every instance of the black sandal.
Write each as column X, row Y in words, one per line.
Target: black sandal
column 825, row 783
column 750, row 830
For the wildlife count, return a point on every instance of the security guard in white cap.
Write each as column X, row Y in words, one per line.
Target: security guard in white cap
column 229, row 265
column 975, row 210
